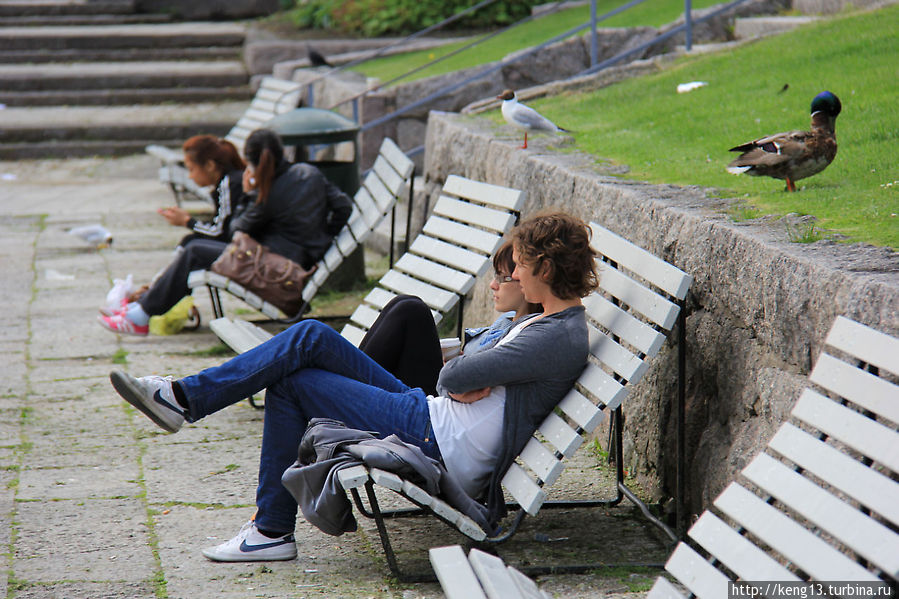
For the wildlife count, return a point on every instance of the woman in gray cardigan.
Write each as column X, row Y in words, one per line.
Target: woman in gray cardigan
column 490, row 402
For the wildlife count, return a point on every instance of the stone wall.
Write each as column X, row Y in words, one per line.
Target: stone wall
column 210, row 9
column 757, row 312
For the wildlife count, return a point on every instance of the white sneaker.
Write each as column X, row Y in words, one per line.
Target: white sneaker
column 153, row 396
column 250, row 545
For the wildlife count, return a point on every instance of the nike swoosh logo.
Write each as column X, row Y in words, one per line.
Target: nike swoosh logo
column 159, row 399
column 250, row 548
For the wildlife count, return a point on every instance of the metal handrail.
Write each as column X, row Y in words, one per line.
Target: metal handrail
column 556, row 7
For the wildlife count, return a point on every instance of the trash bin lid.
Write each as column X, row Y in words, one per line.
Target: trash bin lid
column 303, row 126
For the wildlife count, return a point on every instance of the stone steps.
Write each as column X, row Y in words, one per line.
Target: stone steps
column 114, row 37
column 74, row 20
column 65, row 7
column 125, row 96
column 119, row 54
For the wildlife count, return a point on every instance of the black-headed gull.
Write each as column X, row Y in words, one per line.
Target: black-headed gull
column 526, row 118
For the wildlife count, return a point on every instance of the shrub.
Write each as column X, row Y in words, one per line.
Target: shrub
column 372, row 18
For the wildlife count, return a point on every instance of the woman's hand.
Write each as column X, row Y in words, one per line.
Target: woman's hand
column 471, row 396
column 175, row 216
column 249, row 180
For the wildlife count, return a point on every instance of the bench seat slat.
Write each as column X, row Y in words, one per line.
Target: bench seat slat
column 858, row 386
column 602, row 386
column 862, row 534
column 865, row 343
column 622, row 362
column 867, row 436
column 794, row 542
column 502, row 197
column 869, row 487
column 382, row 196
column 522, row 487
column 367, row 206
column 642, row 299
column 397, row 159
column 436, row 298
column 663, row 275
column 435, row 273
column 701, row 577
column 541, row 460
column 352, row 334
column 564, row 438
column 624, row 325
column 364, row 315
column 735, row 551
column 493, row 575
column 389, row 177
column 454, row 573
column 473, row 214
column 582, row 411
column 352, row 477
column 476, row 239
column 450, row 254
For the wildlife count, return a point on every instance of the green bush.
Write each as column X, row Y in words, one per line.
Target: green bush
column 372, row 18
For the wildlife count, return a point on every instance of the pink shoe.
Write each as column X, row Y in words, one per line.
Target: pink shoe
column 107, row 311
column 120, row 324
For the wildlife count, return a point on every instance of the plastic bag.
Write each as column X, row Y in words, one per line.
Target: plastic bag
column 176, row 319
column 120, row 291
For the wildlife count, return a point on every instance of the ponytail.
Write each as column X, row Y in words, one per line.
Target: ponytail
column 265, row 151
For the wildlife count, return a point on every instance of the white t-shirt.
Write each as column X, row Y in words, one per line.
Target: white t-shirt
column 470, row 434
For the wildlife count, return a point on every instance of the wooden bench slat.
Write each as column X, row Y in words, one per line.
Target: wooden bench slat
column 541, row 460
column 582, row 411
column 702, row 578
column 352, row 477
column 476, row 239
column 858, row 386
column 473, row 214
column 523, row 488
column 357, row 225
column 623, row 324
column 862, row 534
column 564, row 438
column 401, row 163
column 345, row 242
column 863, row 434
column 389, row 177
column 382, row 196
column 332, row 258
column 503, row 197
column 602, row 386
column 794, row 542
column 258, row 332
column 663, row 275
column 379, row 297
column 364, row 315
column 493, row 575
column 622, row 362
column 642, row 299
column 869, row 487
column 435, row 273
column 454, row 573
column 735, row 551
column 450, row 254
column 386, row 479
column 367, row 206
column 436, row 298
column 352, row 334
column 233, row 336
column 527, row 588
column 865, row 343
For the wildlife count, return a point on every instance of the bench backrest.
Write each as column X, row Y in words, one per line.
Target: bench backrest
column 826, row 504
column 452, row 251
column 390, row 177
column 274, row 96
column 629, row 317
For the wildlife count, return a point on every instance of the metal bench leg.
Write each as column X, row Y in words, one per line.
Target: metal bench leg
column 216, row 300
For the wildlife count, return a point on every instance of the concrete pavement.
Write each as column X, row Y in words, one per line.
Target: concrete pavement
column 95, row 501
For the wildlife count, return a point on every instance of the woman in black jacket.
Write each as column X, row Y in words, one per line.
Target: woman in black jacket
column 295, row 212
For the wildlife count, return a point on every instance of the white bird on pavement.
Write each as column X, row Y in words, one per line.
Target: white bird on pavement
column 95, row 235
column 523, row 117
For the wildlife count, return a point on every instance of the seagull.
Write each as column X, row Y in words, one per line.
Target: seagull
column 95, row 235
column 524, row 117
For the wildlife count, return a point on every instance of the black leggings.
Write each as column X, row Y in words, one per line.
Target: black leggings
column 171, row 286
column 404, row 341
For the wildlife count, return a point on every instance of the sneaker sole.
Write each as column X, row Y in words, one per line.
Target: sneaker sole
column 134, row 396
column 247, row 557
column 109, row 328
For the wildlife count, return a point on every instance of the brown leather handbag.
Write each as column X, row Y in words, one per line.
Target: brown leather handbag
column 274, row 278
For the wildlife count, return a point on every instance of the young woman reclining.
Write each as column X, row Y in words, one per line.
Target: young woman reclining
column 494, row 399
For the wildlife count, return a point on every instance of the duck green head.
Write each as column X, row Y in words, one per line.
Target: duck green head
column 827, row 103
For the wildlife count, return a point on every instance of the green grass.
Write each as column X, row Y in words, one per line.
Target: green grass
column 652, row 12
column 683, row 138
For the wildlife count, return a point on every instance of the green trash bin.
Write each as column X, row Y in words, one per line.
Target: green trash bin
column 315, row 129
column 310, row 131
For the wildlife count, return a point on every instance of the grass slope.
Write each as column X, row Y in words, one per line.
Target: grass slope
column 652, row 12
column 683, row 138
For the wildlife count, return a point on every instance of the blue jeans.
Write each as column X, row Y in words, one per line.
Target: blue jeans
column 310, row 371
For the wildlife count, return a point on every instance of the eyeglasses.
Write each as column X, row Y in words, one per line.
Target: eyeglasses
column 500, row 279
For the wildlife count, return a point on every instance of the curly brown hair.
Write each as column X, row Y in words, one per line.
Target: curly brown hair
column 556, row 245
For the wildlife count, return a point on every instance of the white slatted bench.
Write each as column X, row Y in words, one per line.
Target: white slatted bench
column 454, row 249
column 479, row 576
column 826, row 500
column 389, row 178
column 639, row 301
column 274, row 97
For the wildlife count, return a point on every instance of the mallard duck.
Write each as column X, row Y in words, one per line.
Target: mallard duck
column 793, row 155
column 524, row 117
